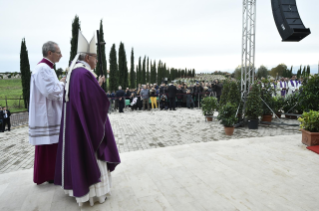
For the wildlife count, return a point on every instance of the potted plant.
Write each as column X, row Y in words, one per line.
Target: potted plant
column 209, row 104
column 266, row 95
column 227, row 116
column 253, row 106
column 224, row 94
column 310, row 127
column 278, row 103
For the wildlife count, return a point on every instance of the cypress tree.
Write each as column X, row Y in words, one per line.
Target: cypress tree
column 155, row 74
column 148, row 71
column 122, row 67
column 113, row 79
column 132, row 75
column 126, row 79
column 144, row 71
column 103, row 55
column 159, row 79
column 137, row 76
column 299, row 71
column 140, row 70
column 25, row 73
column 304, row 72
column 74, row 40
column 151, row 71
column 308, row 71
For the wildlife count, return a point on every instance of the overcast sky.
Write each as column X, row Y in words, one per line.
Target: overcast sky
column 201, row 34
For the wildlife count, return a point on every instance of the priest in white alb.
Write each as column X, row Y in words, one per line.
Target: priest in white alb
column 45, row 109
column 293, row 85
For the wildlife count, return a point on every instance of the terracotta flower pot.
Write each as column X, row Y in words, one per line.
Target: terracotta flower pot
column 229, row 130
column 209, row 118
column 310, row 138
column 266, row 118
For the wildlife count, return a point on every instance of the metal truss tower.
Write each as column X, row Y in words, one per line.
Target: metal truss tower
column 248, row 46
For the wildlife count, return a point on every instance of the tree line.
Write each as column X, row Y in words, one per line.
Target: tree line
column 280, row 70
column 146, row 71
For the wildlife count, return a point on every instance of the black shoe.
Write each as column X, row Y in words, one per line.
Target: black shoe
column 50, row 181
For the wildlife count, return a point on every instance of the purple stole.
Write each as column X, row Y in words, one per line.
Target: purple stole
column 47, row 62
column 292, row 84
column 283, row 92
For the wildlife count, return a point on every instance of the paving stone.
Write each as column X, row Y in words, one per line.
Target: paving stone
column 140, row 130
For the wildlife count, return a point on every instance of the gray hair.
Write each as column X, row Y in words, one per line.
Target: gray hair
column 120, row 87
column 82, row 56
column 48, row 46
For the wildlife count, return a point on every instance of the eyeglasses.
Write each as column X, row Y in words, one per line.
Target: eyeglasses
column 93, row 56
column 59, row 53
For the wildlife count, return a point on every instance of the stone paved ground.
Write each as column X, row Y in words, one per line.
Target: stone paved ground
column 253, row 174
column 140, row 130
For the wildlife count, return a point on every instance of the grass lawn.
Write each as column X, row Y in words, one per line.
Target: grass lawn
column 12, row 89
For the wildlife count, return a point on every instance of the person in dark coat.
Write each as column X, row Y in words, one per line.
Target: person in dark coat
column 127, row 93
column 120, row 95
column 179, row 96
column 139, row 99
column 189, row 99
column 1, row 119
column 6, row 119
column 171, row 91
column 198, row 89
column 162, row 89
column 218, row 89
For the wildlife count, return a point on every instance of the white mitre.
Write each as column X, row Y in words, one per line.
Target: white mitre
column 83, row 47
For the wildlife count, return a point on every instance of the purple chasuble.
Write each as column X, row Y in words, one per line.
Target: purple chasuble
column 297, row 82
column 45, row 61
column 283, row 92
column 87, row 132
column 293, row 84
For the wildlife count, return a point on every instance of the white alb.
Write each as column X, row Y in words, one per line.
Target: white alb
column 45, row 109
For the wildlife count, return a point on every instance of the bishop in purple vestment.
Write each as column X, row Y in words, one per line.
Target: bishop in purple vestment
column 87, row 151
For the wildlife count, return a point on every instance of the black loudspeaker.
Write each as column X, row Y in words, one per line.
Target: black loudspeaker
column 288, row 21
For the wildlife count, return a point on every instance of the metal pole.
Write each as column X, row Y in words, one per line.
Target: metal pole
column 248, row 47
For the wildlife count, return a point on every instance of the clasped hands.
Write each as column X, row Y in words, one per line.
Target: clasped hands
column 101, row 80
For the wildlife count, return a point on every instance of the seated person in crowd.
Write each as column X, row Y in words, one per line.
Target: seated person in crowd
column 163, row 102
column 133, row 100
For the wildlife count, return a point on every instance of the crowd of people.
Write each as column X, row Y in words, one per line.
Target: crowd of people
column 285, row 86
column 166, row 96
column 169, row 96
